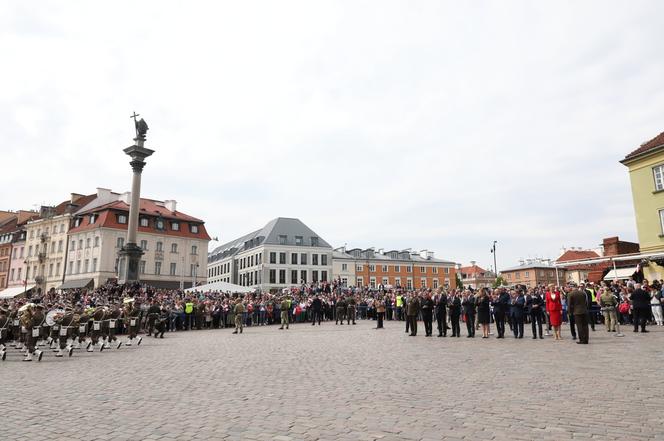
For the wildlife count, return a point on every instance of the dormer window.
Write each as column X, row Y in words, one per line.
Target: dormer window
column 93, row 218
column 193, row 228
column 298, row 240
column 77, row 222
column 314, row 241
column 175, row 226
column 145, row 222
column 159, row 224
column 122, row 218
column 282, row 239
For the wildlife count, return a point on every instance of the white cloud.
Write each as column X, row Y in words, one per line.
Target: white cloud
column 439, row 125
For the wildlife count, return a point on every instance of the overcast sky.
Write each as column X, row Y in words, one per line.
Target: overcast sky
column 429, row 125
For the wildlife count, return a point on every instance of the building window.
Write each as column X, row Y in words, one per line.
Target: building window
column 409, row 269
column 446, row 270
column 314, row 241
column 344, row 267
column 96, row 241
column 294, row 277
column 173, row 269
column 435, row 283
column 193, row 228
column 658, row 173
column 194, row 250
column 282, row 258
column 157, row 268
column 144, row 245
column 527, row 274
column 298, row 240
column 383, row 268
column 94, row 265
column 27, row 272
column 359, row 268
column 360, row 281
column 344, row 281
column 57, row 270
column 282, row 239
column 160, row 246
column 423, row 283
column 273, row 258
column 159, row 224
column 86, row 266
column 385, row 281
column 303, row 258
column 314, row 259
column 409, row 283
column 372, row 282
column 50, row 271
column 73, row 246
column 175, row 226
column 80, row 244
column 434, row 270
column 78, row 267
column 303, row 276
column 397, row 282
column 323, row 259
column 62, row 228
column 661, row 219
column 293, row 258
column 174, row 248
column 144, row 222
column 122, row 218
column 372, row 268
column 282, row 277
column 323, row 276
column 314, row 276
column 423, row 269
column 273, row 276
column 192, row 270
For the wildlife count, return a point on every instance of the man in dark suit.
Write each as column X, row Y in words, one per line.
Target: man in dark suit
column 500, row 306
column 441, row 315
column 427, row 314
column 578, row 307
column 316, row 307
column 640, row 307
column 455, row 315
column 517, row 307
column 468, row 304
column 535, row 307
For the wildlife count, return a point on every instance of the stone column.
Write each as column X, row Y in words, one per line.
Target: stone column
column 130, row 254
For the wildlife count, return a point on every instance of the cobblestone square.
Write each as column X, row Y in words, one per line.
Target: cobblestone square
column 341, row 383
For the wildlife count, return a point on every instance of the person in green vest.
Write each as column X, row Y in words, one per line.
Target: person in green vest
column 188, row 314
column 239, row 311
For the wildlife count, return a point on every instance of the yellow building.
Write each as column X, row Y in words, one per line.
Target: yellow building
column 646, row 173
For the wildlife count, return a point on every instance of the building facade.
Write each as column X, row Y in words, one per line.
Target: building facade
column 174, row 244
column 476, row 277
column 646, row 174
column 16, row 234
column 46, row 241
column 282, row 254
column 533, row 272
column 397, row 269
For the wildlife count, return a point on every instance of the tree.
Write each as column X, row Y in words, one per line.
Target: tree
column 499, row 282
column 459, row 283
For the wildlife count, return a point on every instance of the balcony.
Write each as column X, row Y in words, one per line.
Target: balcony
column 43, row 237
column 39, row 280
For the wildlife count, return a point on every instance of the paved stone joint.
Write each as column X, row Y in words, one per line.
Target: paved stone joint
column 341, row 383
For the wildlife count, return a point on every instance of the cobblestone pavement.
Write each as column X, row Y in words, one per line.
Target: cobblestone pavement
column 341, row 383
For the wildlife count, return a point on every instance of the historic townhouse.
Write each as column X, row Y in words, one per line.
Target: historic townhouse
column 174, row 243
column 405, row 269
column 283, row 253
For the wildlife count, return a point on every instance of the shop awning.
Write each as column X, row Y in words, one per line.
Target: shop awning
column 76, row 284
column 14, row 291
column 221, row 287
column 620, row 274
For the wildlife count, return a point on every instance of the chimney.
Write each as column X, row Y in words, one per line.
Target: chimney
column 75, row 197
column 171, row 205
column 125, row 197
column 473, row 262
column 521, row 262
column 103, row 193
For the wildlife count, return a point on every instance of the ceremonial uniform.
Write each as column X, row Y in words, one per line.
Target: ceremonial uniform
column 350, row 309
column 239, row 311
column 341, row 311
column 132, row 319
column 285, row 306
column 413, row 311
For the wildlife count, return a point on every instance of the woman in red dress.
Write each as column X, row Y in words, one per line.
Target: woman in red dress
column 554, row 307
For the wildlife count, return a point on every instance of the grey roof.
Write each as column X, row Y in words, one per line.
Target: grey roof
column 404, row 256
column 269, row 234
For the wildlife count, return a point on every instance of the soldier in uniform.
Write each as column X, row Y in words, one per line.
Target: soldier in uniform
column 239, row 312
column 285, row 306
column 412, row 311
column 4, row 332
column 65, row 324
column 132, row 318
column 109, row 325
column 31, row 319
column 154, row 312
column 341, row 310
column 351, row 308
column 160, row 323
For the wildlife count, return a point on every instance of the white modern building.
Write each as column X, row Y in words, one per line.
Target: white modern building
column 284, row 253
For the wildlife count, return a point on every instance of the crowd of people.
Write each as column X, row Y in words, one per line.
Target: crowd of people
column 92, row 319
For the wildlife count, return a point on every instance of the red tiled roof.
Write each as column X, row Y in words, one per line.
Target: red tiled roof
column 472, row 270
column 148, row 208
column 657, row 141
column 577, row 255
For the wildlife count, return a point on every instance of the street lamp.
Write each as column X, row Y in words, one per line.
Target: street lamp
column 495, row 266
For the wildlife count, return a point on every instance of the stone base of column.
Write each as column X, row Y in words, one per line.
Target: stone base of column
column 130, row 257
